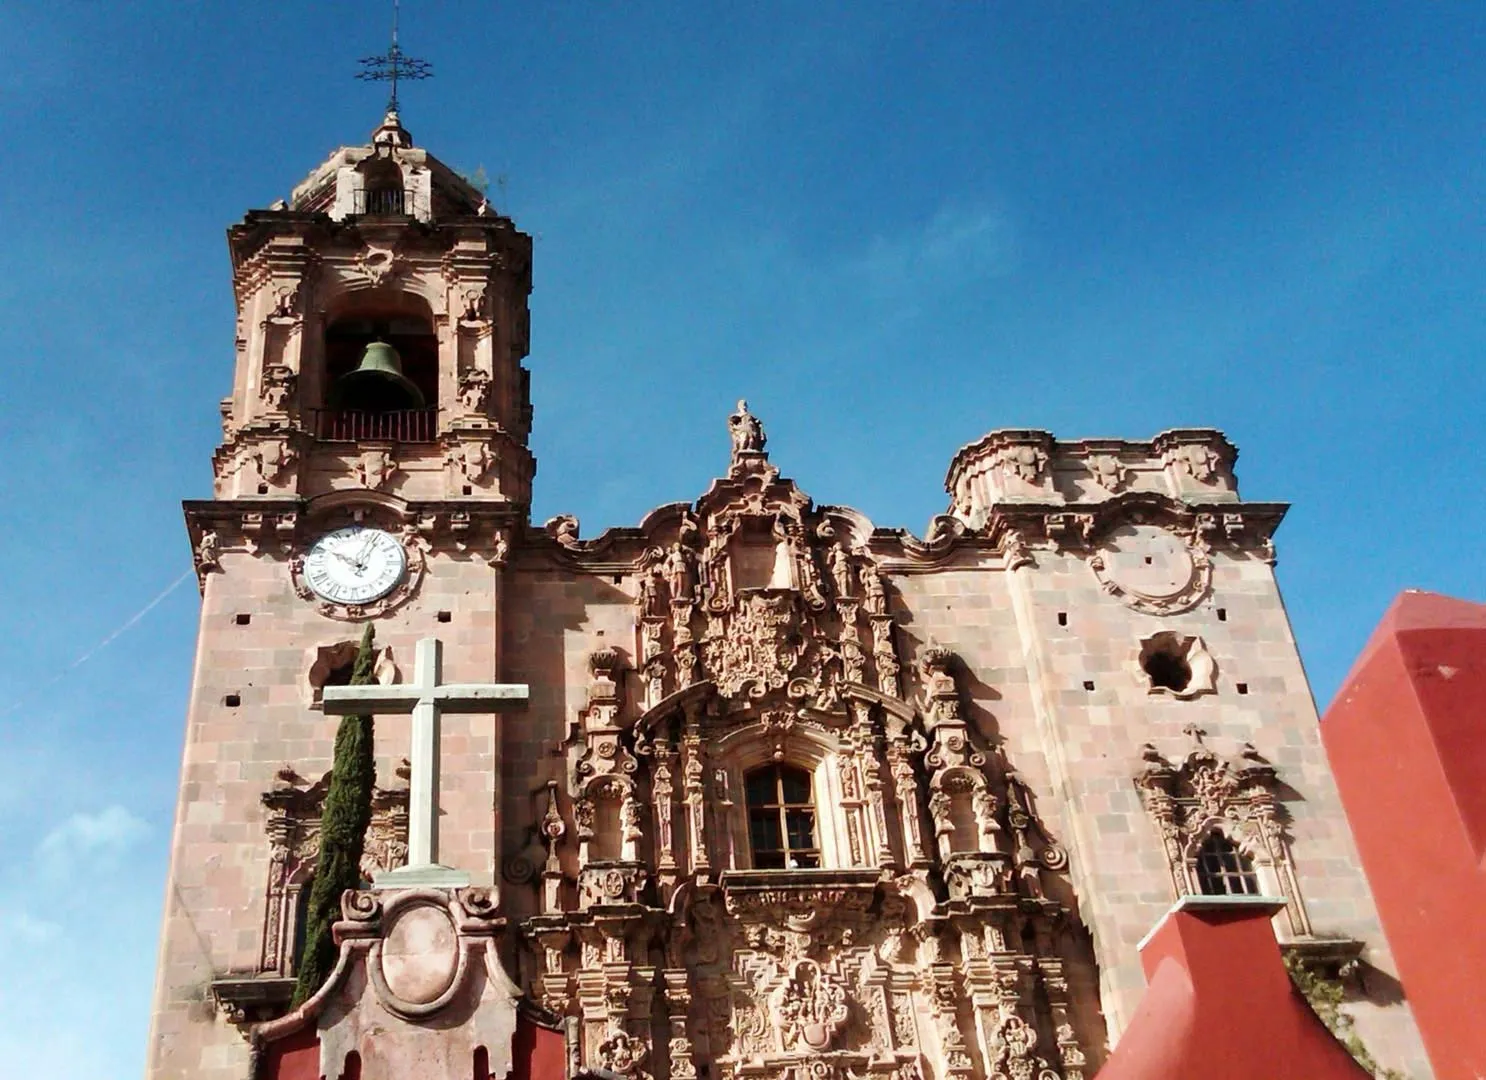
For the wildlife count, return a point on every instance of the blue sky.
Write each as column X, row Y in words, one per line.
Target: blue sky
column 892, row 227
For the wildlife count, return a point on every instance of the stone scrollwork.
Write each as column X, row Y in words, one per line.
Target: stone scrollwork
column 1239, row 796
column 293, row 828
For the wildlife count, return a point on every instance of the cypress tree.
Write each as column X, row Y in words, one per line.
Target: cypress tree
column 344, row 818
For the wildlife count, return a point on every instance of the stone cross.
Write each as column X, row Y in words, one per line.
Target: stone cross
column 426, row 698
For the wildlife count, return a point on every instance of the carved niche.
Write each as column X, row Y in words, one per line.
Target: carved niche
column 1203, row 793
column 293, row 828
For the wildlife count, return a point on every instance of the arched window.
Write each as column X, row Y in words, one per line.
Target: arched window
column 1224, row 870
column 781, row 819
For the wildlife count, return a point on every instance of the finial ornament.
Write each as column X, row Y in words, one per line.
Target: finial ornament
column 393, row 65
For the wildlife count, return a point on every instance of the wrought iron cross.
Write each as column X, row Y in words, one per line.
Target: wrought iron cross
column 393, row 65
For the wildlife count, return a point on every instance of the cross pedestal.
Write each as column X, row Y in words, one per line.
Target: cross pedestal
column 426, row 698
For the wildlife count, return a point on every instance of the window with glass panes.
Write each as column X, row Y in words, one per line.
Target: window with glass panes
column 781, row 819
column 1224, row 870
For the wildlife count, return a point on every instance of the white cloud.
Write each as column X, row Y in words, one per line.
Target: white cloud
column 88, row 840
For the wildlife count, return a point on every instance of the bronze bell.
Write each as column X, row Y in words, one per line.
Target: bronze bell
column 377, row 385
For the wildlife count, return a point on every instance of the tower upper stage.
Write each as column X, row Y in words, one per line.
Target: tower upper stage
column 381, row 243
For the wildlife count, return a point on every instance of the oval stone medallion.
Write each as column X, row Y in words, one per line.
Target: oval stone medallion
column 420, row 954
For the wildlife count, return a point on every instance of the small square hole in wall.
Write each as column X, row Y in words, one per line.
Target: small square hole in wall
column 232, row 701
column 1062, row 618
column 1222, row 614
column 468, row 490
column 1088, row 684
column 262, row 489
column 1148, row 560
column 1243, row 688
column 618, row 579
column 242, row 618
column 445, row 616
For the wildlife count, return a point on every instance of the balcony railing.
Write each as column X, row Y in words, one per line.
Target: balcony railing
column 398, row 425
column 384, row 202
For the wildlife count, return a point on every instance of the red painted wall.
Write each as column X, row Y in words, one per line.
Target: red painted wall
column 1219, row 1004
column 1406, row 737
column 537, row 1052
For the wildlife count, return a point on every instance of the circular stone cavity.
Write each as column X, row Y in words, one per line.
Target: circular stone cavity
column 420, row 954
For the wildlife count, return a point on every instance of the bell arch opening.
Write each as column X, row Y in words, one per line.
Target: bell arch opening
column 382, row 192
column 381, row 370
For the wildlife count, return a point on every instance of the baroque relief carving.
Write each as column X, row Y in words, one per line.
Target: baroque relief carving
column 1238, row 796
column 293, row 828
column 764, row 632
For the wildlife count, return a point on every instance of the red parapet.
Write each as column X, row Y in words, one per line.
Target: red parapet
column 1220, row 1005
column 1406, row 737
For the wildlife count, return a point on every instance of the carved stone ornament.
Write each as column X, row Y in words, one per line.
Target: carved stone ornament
column 1151, row 569
column 1198, row 460
column 414, row 546
column 1024, row 463
column 278, row 387
column 378, row 264
column 1238, row 796
column 471, row 460
column 623, row 1054
column 208, row 553
column 809, row 1007
column 474, row 389
column 293, row 828
column 1109, row 472
column 374, row 468
column 765, row 640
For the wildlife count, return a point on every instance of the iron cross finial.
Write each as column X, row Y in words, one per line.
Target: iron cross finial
column 393, row 65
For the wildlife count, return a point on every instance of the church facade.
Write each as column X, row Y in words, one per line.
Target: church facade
column 794, row 795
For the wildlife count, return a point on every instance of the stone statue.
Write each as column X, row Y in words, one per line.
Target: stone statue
column 679, row 575
column 747, row 432
column 841, row 570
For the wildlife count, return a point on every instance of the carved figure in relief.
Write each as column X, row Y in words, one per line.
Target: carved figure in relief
column 650, row 602
column 209, row 552
column 563, row 528
column 622, row 1053
column 474, row 388
column 876, row 595
column 278, row 386
column 809, row 1008
column 746, row 431
column 629, row 818
column 680, row 574
column 500, row 549
column 842, row 571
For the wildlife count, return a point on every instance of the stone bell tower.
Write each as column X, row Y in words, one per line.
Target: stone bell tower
column 374, row 466
column 380, row 244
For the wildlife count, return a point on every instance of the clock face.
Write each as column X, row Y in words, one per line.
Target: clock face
column 355, row 565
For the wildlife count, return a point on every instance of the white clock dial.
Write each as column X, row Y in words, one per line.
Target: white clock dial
column 355, row 565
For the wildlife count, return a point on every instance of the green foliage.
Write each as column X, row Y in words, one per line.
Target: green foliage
column 1325, row 998
column 344, row 818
